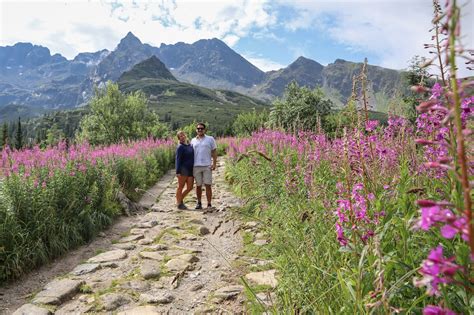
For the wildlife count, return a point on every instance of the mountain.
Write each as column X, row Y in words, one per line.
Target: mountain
column 181, row 103
column 210, row 63
column 151, row 68
column 383, row 84
column 304, row 71
column 335, row 80
column 30, row 76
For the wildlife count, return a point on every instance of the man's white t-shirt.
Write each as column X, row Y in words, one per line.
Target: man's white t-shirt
column 202, row 150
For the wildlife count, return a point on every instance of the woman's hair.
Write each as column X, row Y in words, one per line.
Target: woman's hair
column 179, row 132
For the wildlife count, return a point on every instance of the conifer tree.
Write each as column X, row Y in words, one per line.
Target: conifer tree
column 4, row 137
column 19, row 135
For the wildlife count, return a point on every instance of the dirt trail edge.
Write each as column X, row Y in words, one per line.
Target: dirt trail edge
column 162, row 261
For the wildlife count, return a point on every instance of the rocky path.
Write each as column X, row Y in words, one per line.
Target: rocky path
column 165, row 261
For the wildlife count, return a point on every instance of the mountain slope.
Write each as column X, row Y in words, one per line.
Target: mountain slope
column 210, row 63
column 304, row 71
column 151, row 68
column 181, row 103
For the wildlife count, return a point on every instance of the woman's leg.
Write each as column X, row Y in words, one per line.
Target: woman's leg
column 179, row 189
column 189, row 186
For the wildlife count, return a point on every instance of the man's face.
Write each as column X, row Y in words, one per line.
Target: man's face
column 200, row 130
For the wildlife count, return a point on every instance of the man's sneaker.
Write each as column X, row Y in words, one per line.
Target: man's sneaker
column 198, row 206
column 181, row 206
column 209, row 206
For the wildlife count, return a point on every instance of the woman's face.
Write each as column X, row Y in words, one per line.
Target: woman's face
column 182, row 137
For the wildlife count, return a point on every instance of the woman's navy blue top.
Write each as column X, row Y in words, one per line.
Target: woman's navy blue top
column 184, row 158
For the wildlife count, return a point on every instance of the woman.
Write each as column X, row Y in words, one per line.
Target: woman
column 184, row 169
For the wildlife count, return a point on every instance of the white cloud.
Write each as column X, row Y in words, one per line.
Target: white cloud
column 153, row 22
column 395, row 31
column 261, row 62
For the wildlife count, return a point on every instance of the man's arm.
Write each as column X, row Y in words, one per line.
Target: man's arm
column 214, row 159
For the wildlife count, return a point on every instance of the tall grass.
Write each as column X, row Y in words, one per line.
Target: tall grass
column 56, row 199
column 342, row 216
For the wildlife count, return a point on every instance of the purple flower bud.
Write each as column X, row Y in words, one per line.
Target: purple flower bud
column 419, row 89
column 425, row 106
column 426, row 203
column 424, row 142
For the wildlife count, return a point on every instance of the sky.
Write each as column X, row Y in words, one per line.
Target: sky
column 270, row 34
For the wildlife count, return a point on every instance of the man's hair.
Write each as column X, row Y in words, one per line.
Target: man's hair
column 201, row 124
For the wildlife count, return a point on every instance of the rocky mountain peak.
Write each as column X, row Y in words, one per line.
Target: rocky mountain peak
column 129, row 42
column 151, row 68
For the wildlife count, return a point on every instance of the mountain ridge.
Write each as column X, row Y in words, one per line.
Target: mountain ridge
column 52, row 81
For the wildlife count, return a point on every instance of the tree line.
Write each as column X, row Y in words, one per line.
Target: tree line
column 113, row 116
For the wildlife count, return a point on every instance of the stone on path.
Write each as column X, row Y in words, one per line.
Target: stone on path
column 30, row 309
column 157, row 247
column 138, row 231
column 203, row 231
column 125, row 246
column 160, row 298
column 260, row 242
column 85, row 268
column 228, row 292
column 263, row 278
column 145, row 241
column 58, row 291
column 112, row 255
column 196, row 287
column 176, row 264
column 268, row 299
column 113, row 301
column 131, row 238
column 190, row 258
column 151, row 255
column 251, row 224
column 150, row 270
column 136, row 285
column 141, row 310
column 147, row 224
column 189, row 237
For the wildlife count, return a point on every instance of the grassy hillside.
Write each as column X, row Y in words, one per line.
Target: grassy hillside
column 181, row 103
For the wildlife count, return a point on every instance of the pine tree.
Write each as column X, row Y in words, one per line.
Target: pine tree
column 19, row 135
column 4, row 138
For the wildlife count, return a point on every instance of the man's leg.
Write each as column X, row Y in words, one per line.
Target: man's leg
column 198, row 176
column 208, row 194
column 199, row 193
column 207, row 179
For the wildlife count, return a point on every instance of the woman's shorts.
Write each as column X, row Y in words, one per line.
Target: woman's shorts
column 186, row 171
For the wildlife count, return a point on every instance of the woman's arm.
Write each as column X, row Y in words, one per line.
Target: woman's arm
column 179, row 158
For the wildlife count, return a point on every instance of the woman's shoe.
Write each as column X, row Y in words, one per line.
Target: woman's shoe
column 181, row 206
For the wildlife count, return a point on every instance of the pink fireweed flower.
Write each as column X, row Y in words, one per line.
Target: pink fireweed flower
column 436, row 214
column 437, row 310
column 436, row 270
column 371, row 125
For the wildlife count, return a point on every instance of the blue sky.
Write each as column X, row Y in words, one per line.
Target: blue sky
column 270, row 34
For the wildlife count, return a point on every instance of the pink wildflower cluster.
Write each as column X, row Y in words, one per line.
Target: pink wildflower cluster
column 353, row 215
column 29, row 163
column 367, row 154
column 436, row 270
column 437, row 214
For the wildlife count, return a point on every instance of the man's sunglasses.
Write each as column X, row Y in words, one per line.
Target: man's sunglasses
column 199, row 128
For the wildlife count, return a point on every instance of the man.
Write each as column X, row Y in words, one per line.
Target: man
column 204, row 149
